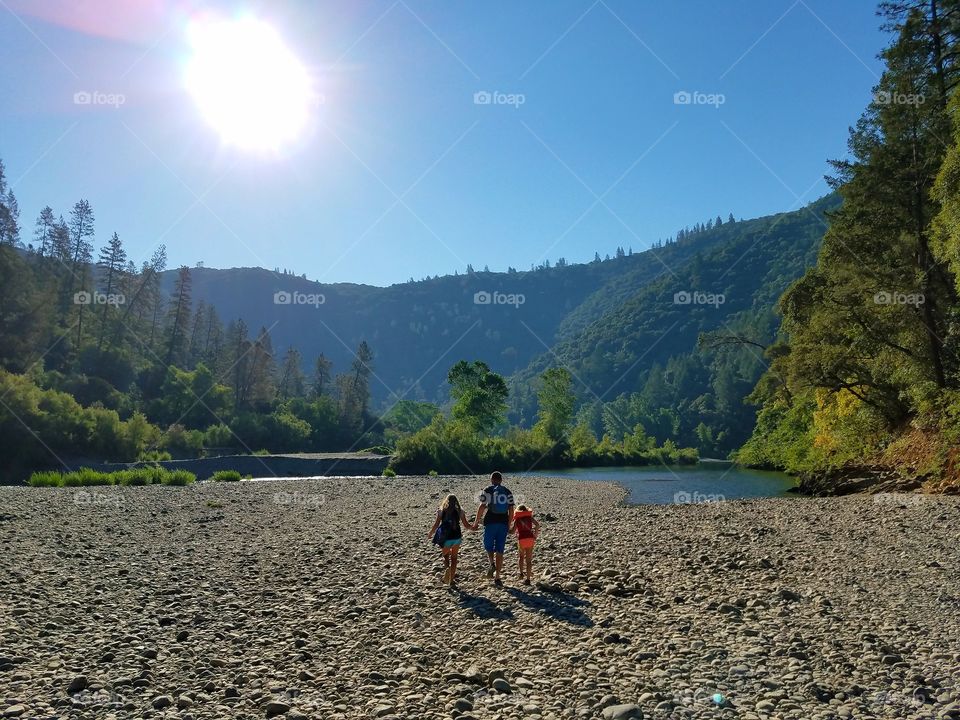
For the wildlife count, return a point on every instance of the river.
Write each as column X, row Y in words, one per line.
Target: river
column 704, row 482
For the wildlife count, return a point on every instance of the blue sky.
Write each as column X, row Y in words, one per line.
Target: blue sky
column 401, row 173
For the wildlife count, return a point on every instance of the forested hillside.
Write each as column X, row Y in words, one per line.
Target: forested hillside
column 106, row 358
column 868, row 370
column 437, row 320
column 659, row 353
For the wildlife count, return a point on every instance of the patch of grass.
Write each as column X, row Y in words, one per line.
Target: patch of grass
column 226, row 476
column 151, row 475
column 389, row 472
column 178, row 477
column 214, row 504
column 46, row 478
column 378, row 450
column 85, row 477
column 261, row 452
column 433, row 473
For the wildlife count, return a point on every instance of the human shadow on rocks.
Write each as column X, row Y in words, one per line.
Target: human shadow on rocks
column 559, row 606
column 482, row 606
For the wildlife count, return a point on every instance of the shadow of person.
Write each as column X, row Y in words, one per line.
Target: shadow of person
column 559, row 606
column 481, row 606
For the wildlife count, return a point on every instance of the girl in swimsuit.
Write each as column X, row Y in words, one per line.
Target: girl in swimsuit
column 527, row 528
column 447, row 533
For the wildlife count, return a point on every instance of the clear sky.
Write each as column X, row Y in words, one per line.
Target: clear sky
column 401, row 172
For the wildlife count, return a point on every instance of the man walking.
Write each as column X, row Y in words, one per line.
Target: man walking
column 496, row 512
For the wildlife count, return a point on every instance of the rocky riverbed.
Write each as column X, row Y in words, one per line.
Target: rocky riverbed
column 321, row 599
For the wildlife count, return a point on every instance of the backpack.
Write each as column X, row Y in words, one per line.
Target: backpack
column 447, row 528
column 499, row 500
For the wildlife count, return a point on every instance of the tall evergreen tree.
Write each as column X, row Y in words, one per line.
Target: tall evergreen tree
column 178, row 317
column 9, row 213
column 291, row 383
column 322, row 376
column 112, row 264
column 43, row 235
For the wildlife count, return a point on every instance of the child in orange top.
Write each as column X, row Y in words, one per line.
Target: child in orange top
column 527, row 529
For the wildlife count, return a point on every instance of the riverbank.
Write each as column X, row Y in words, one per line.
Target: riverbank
column 873, row 479
column 349, row 464
column 321, row 599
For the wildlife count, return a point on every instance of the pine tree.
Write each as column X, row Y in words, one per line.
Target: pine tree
column 112, row 262
column 142, row 294
column 291, row 383
column 322, row 377
column 195, row 341
column 238, row 346
column 81, row 234
column 44, row 233
column 178, row 317
column 261, row 369
column 9, row 213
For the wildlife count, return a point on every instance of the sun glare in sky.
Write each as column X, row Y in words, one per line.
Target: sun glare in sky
column 247, row 83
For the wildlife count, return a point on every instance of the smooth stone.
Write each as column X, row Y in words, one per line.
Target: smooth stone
column 622, row 712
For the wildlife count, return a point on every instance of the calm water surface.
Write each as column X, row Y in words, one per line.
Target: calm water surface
column 663, row 485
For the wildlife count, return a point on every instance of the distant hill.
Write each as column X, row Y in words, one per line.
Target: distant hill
column 610, row 321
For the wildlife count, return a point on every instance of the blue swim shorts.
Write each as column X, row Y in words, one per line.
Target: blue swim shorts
column 452, row 543
column 495, row 537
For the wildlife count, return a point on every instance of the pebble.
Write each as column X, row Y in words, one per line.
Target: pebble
column 793, row 608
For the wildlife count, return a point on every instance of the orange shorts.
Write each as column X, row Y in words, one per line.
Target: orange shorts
column 526, row 543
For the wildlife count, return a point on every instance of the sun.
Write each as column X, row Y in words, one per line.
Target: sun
column 247, row 83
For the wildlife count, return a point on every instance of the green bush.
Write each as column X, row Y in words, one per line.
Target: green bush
column 46, row 478
column 377, row 450
column 226, row 476
column 452, row 447
column 85, row 477
column 149, row 475
column 389, row 472
column 155, row 456
column 433, row 473
column 178, row 477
